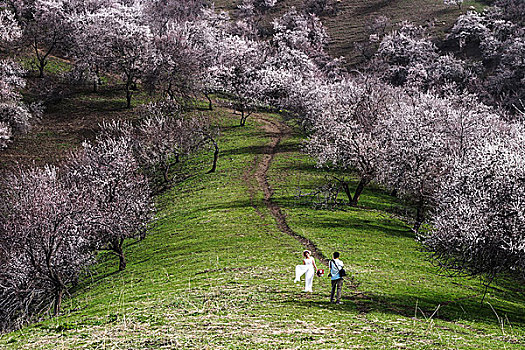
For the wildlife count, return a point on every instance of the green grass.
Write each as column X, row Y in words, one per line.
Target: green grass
column 54, row 66
column 217, row 274
column 384, row 256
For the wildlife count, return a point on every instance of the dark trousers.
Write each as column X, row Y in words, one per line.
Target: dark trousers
column 339, row 285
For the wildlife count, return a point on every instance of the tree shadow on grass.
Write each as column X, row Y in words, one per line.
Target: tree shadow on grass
column 302, row 166
column 237, row 204
column 332, row 218
column 374, row 196
column 365, row 225
column 440, row 306
column 91, row 280
column 255, row 150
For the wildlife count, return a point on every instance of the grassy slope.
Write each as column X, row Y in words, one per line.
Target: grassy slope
column 69, row 121
column 385, row 258
column 217, row 274
column 348, row 25
column 67, row 124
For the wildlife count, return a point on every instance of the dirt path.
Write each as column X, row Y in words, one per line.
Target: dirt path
column 277, row 131
column 257, row 174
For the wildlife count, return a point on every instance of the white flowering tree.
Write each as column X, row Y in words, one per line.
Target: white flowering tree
column 477, row 226
column 114, row 39
column 47, row 29
column 457, row 3
column 512, row 10
column 404, row 54
column 15, row 116
column 237, row 71
column 177, row 62
column 159, row 13
column 164, row 138
column 424, row 136
column 494, row 40
column 345, row 133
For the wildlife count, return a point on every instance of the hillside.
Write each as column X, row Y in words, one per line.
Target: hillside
column 216, row 269
column 348, row 25
column 217, row 272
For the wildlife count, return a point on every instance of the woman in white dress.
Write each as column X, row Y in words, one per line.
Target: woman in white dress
column 308, row 269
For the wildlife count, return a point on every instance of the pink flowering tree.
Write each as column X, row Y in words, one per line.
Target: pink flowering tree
column 48, row 29
column 160, row 13
column 10, row 30
column 494, row 41
column 303, row 32
column 457, row 3
column 322, row 7
column 108, row 175
column 512, row 10
column 178, row 61
column 237, row 71
column 165, row 137
column 404, row 54
column 45, row 225
column 89, row 51
column 114, row 39
column 251, row 15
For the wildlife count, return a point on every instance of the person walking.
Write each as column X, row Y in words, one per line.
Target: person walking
column 335, row 265
column 308, row 269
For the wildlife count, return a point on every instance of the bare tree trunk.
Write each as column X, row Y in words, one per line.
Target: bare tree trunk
column 41, row 67
column 215, row 156
column 486, row 283
column 59, row 292
column 420, row 215
column 129, row 88
column 96, row 81
column 346, row 188
column 165, row 173
column 116, row 247
column 42, row 59
column 122, row 261
column 244, row 115
column 169, row 92
column 129, row 93
column 210, row 104
column 359, row 190
column 243, row 120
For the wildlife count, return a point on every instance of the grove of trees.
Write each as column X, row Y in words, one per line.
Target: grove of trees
column 15, row 115
column 438, row 123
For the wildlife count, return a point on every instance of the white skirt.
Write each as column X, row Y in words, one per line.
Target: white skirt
column 308, row 272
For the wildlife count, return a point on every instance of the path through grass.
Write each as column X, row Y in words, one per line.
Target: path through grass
column 217, row 274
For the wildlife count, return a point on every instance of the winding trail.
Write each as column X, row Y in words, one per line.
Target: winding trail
column 277, row 131
column 256, row 177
